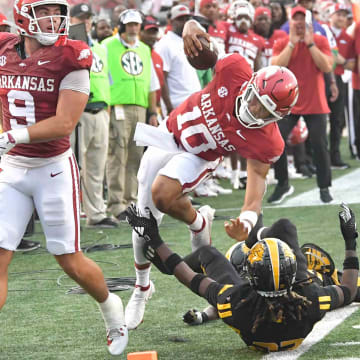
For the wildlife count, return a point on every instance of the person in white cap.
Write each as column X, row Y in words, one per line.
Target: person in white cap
column 132, row 91
column 180, row 77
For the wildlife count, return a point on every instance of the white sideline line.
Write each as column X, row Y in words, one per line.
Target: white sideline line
column 356, row 326
column 343, row 189
column 348, row 343
column 320, row 330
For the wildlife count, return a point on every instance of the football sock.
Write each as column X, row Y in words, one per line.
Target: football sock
column 142, row 276
column 198, row 224
column 112, row 311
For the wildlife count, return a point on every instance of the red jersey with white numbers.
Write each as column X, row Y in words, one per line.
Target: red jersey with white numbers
column 248, row 45
column 266, row 54
column 29, row 88
column 219, row 32
column 205, row 124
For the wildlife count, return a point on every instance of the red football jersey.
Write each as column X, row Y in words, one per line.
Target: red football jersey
column 268, row 46
column 29, row 88
column 219, row 32
column 205, row 124
column 248, row 45
column 346, row 47
column 356, row 76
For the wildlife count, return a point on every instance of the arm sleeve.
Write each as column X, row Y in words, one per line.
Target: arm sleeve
column 212, row 292
column 77, row 80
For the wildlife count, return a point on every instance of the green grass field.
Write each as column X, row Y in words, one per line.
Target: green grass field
column 40, row 321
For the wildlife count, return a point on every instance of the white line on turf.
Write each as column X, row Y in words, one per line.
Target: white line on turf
column 356, row 326
column 343, row 189
column 348, row 343
column 320, row 330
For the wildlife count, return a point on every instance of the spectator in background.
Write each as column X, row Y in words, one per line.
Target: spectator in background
column 241, row 39
column 308, row 55
column 181, row 78
column 217, row 29
column 149, row 35
column 308, row 5
column 25, row 245
column 262, row 27
column 93, row 132
column 132, row 90
column 115, row 17
column 101, row 29
column 278, row 14
column 345, row 60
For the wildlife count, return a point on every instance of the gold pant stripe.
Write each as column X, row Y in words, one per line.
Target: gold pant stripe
column 324, row 306
column 223, row 306
column 324, row 298
column 225, row 314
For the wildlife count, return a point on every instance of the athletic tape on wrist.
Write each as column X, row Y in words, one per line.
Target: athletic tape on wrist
column 249, row 219
column 21, row 136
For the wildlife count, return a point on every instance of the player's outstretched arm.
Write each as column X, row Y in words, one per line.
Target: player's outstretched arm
column 146, row 227
column 348, row 286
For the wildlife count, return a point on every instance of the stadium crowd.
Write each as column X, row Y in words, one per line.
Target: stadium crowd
column 140, row 74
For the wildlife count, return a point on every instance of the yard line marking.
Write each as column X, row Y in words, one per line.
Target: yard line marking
column 356, row 326
column 320, row 330
column 348, row 343
column 344, row 189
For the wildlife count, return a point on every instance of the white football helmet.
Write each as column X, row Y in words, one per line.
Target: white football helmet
column 28, row 24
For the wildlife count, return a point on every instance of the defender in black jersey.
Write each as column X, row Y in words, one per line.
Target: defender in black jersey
column 277, row 303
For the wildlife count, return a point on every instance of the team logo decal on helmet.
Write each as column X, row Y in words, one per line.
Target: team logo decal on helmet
column 275, row 88
column 28, row 23
column 271, row 267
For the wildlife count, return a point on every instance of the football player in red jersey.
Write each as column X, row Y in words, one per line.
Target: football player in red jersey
column 44, row 87
column 235, row 113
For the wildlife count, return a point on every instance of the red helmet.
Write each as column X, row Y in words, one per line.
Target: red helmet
column 298, row 134
column 27, row 22
column 275, row 88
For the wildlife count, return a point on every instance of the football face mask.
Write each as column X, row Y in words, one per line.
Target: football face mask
column 53, row 14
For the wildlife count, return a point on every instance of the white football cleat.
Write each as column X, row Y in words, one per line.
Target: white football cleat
column 117, row 339
column 203, row 237
column 135, row 309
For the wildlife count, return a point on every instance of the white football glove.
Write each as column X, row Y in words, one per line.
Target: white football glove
column 10, row 138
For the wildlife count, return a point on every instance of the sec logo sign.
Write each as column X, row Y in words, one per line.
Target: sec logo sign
column 132, row 63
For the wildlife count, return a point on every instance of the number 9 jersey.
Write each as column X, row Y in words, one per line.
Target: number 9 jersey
column 205, row 124
column 29, row 88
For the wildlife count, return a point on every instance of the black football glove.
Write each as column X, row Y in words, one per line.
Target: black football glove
column 146, row 227
column 348, row 227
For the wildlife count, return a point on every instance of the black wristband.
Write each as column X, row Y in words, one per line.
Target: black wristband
column 347, row 294
column 350, row 244
column 351, row 263
column 195, row 283
column 172, row 261
column 310, row 45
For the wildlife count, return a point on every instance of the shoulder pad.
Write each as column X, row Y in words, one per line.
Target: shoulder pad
column 8, row 41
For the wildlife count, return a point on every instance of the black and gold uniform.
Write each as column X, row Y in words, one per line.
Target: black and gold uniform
column 238, row 305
